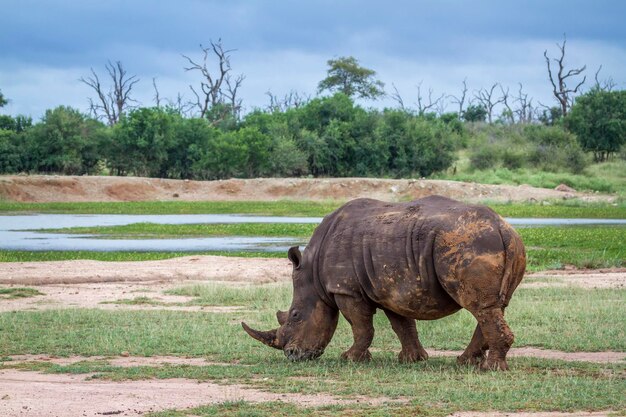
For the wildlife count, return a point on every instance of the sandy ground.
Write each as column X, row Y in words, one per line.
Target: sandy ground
column 77, row 395
column 41, row 188
column 214, row 268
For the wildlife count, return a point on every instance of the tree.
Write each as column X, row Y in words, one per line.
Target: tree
column 115, row 101
column 217, row 98
column 141, row 141
column 563, row 94
column 598, row 118
column 475, row 113
column 3, row 100
column 17, row 124
column 291, row 100
column 487, row 101
column 64, row 142
column 432, row 105
column 10, row 155
column 460, row 101
column 524, row 110
column 551, row 115
column 346, row 76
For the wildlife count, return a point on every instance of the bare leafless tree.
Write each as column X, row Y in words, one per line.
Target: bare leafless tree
column 181, row 106
column 524, row 109
column 563, row 94
column 487, row 99
column 423, row 106
column 460, row 101
column 607, row 84
column 114, row 101
column 157, row 96
column 508, row 113
column 395, row 96
column 291, row 100
column 218, row 89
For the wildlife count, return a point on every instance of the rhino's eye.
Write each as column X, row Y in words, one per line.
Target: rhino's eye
column 294, row 315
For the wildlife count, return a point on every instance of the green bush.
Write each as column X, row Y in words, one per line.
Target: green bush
column 10, row 161
column 63, row 142
column 483, row 158
column 513, row 159
column 598, row 118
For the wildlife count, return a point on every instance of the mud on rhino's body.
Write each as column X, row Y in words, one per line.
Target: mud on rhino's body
column 420, row 260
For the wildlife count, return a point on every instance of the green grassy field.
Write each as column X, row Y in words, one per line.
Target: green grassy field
column 558, row 208
column 566, row 319
column 605, row 177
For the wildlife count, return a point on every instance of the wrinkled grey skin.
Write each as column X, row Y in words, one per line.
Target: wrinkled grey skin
column 421, row 260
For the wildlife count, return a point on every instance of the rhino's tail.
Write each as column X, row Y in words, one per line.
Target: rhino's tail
column 514, row 263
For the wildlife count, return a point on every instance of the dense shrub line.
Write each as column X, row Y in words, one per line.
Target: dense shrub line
column 327, row 136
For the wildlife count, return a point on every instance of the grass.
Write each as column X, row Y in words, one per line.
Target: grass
column 267, row 208
column 613, row 183
column 605, row 177
column 559, row 208
column 567, row 319
column 155, row 231
column 18, row 292
column 581, row 246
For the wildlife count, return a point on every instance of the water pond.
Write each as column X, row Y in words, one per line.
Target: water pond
column 16, row 234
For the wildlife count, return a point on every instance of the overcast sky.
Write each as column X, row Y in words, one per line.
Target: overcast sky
column 47, row 45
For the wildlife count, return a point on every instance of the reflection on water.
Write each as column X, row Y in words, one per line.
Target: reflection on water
column 14, row 234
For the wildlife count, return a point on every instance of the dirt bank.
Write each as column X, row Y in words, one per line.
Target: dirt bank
column 40, row 188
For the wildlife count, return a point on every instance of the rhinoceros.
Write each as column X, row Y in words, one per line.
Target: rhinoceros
column 420, row 260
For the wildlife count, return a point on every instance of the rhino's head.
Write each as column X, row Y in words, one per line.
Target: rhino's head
column 306, row 329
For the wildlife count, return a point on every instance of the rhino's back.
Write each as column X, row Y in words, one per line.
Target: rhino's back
column 387, row 252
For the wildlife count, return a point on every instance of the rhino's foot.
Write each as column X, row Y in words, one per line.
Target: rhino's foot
column 413, row 355
column 494, row 365
column 357, row 356
column 472, row 360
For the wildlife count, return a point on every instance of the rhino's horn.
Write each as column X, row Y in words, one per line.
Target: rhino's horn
column 268, row 337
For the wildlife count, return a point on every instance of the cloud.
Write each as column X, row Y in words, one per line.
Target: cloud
column 281, row 46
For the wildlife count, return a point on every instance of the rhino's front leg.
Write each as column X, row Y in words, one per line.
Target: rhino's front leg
column 406, row 330
column 360, row 316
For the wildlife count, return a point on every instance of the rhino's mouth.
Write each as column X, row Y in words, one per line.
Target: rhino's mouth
column 297, row 354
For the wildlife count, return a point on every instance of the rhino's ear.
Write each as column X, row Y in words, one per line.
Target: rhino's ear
column 295, row 256
column 281, row 316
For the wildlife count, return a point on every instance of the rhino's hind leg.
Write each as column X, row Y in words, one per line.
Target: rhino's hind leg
column 405, row 329
column 498, row 335
column 360, row 315
column 474, row 354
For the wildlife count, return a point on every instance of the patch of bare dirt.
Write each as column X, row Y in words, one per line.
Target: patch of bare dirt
column 121, row 361
column 35, row 394
column 200, row 268
column 597, row 357
column 110, row 296
column 42, row 188
column 593, row 278
column 534, row 414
